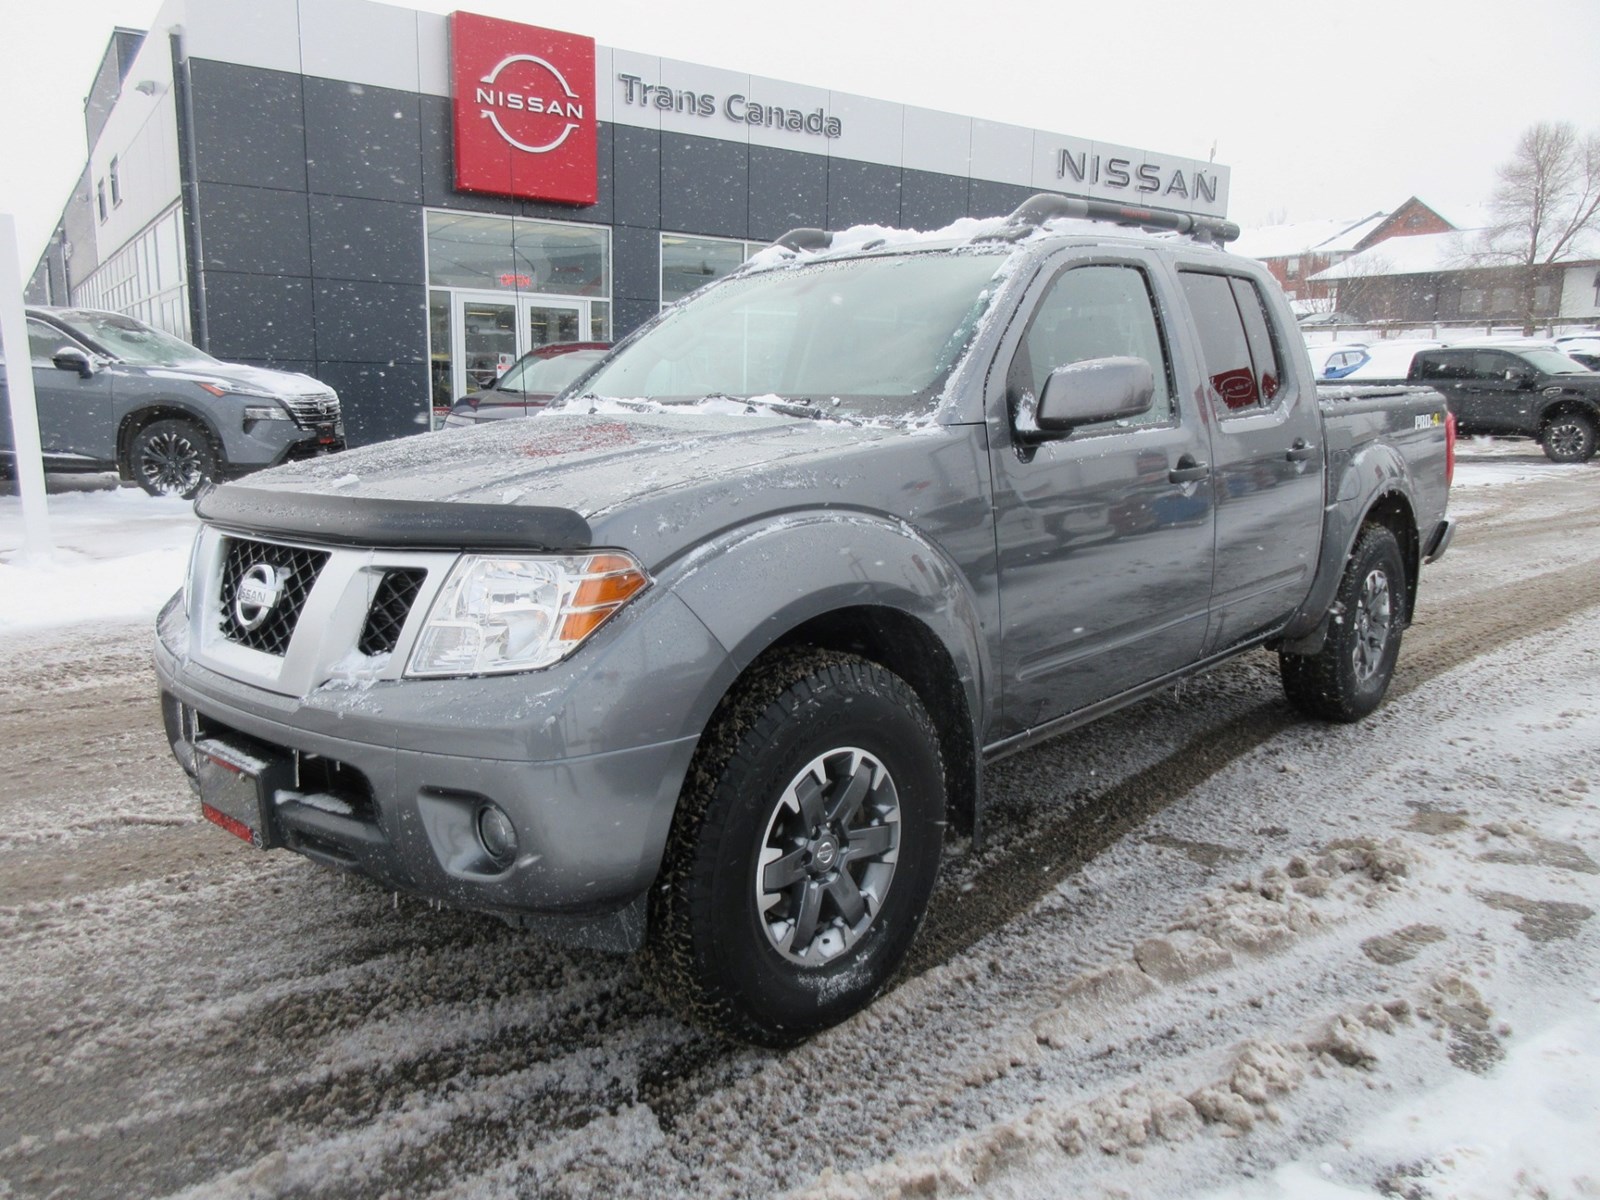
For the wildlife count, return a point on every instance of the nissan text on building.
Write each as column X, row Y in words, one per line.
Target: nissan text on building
column 401, row 203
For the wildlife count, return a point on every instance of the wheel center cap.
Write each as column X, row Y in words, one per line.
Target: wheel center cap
column 824, row 851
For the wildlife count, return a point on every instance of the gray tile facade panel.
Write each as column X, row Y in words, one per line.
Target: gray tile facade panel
column 987, row 199
column 366, row 240
column 259, row 318
column 262, row 231
column 862, row 194
column 598, row 213
column 379, row 400
column 705, row 186
column 636, row 159
column 249, row 126
column 636, row 263
column 439, row 168
column 363, row 141
column 371, row 322
column 630, row 314
column 787, row 191
column 931, row 201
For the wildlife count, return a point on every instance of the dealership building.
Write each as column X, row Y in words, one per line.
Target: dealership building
column 400, row 202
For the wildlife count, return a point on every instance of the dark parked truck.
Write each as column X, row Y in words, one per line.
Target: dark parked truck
column 114, row 394
column 1517, row 391
column 708, row 658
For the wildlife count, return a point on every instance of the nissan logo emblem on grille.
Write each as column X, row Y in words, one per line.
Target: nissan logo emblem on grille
column 258, row 592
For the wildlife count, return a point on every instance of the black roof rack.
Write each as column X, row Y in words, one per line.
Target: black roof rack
column 1032, row 214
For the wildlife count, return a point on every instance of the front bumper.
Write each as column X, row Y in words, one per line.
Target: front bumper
column 409, row 765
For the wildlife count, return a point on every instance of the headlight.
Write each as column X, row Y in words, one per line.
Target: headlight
column 500, row 614
column 232, row 387
column 266, row 412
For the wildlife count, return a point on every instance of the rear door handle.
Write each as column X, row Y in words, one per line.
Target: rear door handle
column 1299, row 452
column 1188, row 470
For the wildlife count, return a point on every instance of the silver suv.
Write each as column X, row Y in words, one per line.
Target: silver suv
column 115, row 394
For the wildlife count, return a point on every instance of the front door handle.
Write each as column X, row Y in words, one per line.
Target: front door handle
column 1188, row 470
column 1299, row 452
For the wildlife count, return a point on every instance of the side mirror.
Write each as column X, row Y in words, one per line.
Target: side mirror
column 70, row 358
column 1097, row 389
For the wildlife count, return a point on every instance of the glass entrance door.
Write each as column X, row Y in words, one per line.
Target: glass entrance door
column 491, row 331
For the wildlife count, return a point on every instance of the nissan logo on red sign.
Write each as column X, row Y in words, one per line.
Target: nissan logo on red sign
column 524, row 105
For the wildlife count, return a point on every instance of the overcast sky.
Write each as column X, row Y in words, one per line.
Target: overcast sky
column 1321, row 110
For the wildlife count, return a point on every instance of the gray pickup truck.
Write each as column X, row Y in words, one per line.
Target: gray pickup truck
column 707, row 659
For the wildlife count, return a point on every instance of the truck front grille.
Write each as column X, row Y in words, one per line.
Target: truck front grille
column 266, row 627
column 391, row 604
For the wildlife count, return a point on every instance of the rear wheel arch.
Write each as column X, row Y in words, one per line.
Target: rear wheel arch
column 1394, row 512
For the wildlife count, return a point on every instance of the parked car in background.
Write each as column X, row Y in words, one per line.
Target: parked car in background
column 113, row 394
column 528, row 384
column 1581, row 347
column 1335, row 360
column 1517, row 391
column 1387, row 362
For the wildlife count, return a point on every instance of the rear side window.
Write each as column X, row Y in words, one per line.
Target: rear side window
column 1441, row 366
column 1236, row 340
column 1100, row 311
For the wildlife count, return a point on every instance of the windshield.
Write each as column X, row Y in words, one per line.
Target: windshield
column 133, row 341
column 867, row 336
column 1554, row 362
column 547, row 376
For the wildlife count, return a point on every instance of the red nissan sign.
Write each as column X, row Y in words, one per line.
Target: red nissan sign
column 525, row 114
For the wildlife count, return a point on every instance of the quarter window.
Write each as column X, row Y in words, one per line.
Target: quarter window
column 1236, row 340
column 1102, row 311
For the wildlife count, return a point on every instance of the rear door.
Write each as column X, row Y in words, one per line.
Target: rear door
column 1104, row 536
column 1267, row 457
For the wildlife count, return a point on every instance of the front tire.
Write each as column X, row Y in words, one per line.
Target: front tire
column 1347, row 678
column 172, row 458
column 1568, row 437
column 803, row 851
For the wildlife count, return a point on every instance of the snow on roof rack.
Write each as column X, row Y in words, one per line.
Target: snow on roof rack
column 1034, row 212
column 815, row 240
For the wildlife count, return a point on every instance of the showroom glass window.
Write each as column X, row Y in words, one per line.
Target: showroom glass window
column 688, row 262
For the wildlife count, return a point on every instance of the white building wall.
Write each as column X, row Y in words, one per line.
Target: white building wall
column 1580, row 291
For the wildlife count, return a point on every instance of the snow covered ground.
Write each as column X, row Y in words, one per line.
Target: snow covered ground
column 1209, row 950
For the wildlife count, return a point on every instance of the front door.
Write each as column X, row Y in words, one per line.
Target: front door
column 76, row 419
column 1105, row 537
column 492, row 330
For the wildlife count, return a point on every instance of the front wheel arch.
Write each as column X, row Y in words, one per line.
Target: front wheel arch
column 130, row 425
column 1569, row 433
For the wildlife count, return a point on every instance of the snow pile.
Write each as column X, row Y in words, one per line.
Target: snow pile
column 120, row 555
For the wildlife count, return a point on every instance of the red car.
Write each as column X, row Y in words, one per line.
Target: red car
column 528, row 384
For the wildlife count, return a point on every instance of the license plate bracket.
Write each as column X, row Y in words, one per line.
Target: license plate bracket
column 237, row 788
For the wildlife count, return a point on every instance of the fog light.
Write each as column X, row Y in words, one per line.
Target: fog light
column 498, row 835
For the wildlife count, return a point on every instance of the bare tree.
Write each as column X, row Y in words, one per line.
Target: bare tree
column 1548, row 194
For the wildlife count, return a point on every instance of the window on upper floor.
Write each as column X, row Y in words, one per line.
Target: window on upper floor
column 116, row 185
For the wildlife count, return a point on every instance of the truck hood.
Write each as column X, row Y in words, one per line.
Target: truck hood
column 554, row 481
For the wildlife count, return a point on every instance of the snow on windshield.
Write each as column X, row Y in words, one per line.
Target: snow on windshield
column 877, row 334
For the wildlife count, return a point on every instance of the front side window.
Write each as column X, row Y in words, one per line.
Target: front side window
column 134, row 342
column 872, row 336
column 1101, row 311
column 44, row 341
column 1236, row 340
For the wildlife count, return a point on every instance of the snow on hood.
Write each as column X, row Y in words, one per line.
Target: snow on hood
column 589, row 463
column 289, row 384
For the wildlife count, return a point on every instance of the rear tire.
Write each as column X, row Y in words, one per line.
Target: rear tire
column 803, row 851
column 1568, row 437
column 1347, row 678
column 172, row 458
